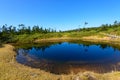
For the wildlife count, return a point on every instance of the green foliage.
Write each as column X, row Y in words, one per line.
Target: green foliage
column 29, row 34
column 23, row 33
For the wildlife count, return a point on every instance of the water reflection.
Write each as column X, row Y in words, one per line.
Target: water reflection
column 71, row 57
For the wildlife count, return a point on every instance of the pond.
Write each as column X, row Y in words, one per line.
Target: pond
column 67, row 57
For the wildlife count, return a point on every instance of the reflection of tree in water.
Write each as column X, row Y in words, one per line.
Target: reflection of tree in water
column 45, row 45
column 54, row 67
column 86, row 46
column 116, row 47
column 103, row 46
column 59, row 43
column 42, row 48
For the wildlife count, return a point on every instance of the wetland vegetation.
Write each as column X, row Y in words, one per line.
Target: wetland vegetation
column 59, row 45
column 27, row 34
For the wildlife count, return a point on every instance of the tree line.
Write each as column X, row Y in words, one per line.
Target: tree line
column 7, row 32
column 22, row 29
column 103, row 27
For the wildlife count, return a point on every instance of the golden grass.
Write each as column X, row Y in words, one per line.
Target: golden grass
column 56, row 39
column 91, row 38
column 11, row 70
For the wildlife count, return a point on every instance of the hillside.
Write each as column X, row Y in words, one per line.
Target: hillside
column 10, row 34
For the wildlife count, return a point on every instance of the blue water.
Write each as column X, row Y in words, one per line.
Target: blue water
column 70, row 53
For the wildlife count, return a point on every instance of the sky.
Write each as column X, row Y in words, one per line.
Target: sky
column 59, row 14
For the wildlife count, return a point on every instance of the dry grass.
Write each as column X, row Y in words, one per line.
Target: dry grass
column 56, row 39
column 100, row 39
column 96, row 38
column 11, row 70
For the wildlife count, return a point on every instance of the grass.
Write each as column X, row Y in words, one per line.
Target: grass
column 33, row 37
column 11, row 70
column 30, row 38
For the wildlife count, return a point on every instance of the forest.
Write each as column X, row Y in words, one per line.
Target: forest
column 12, row 34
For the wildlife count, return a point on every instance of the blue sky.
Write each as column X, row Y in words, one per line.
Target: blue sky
column 59, row 14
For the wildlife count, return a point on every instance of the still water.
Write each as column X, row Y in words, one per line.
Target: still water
column 68, row 58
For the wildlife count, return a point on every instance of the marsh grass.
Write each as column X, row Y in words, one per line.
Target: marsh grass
column 29, row 38
column 11, row 70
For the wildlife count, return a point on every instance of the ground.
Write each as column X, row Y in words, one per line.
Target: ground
column 11, row 70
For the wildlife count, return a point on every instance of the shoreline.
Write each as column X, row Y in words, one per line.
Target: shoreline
column 91, row 39
column 8, row 64
column 62, row 39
